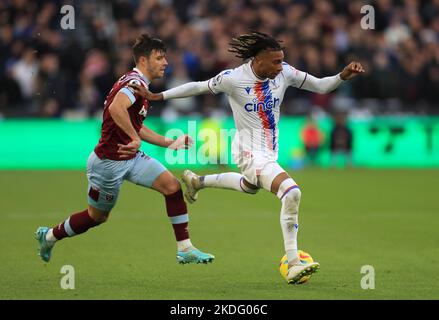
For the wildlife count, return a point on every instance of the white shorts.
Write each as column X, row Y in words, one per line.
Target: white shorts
column 257, row 169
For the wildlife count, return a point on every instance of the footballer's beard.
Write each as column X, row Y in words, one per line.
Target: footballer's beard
column 268, row 74
column 273, row 75
column 153, row 73
column 158, row 72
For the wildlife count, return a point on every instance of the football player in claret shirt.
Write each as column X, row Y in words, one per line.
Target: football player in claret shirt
column 117, row 158
column 255, row 91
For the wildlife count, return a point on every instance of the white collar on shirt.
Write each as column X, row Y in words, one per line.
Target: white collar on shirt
column 143, row 76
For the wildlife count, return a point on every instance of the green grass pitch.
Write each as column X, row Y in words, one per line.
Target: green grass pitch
column 388, row 219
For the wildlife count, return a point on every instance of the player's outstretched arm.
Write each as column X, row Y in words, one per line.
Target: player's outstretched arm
column 328, row 84
column 185, row 90
column 150, row 136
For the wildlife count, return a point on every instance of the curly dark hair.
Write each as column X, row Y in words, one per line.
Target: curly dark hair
column 145, row 44
column 249, row 45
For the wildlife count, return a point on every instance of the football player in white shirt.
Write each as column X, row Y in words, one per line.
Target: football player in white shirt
column 255, row 91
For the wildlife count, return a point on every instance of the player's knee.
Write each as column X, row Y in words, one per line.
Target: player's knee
column 289, row 189
column 294, row 195
column 172, row 187
column 251, row 191
column 99, row 217
column 248, row 188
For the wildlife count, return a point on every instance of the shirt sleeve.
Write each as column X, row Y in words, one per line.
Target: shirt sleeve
column 322, row 85
column 128, row 91
column 221, row 83
column 186, row 90
column 129, row 94
column 305, row 81
column 293, row 76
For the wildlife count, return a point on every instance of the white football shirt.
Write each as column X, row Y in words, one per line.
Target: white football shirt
column 256, row 105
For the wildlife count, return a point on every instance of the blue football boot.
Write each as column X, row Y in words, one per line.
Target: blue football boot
column 45, row 249
column 194, row 255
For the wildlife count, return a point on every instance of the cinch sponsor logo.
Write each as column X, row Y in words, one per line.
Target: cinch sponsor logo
column 261, row 105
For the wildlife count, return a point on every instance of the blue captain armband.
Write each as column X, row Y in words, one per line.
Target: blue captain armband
column 127, row 91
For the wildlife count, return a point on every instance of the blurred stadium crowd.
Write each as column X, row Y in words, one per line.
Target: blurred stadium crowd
column 50, row 72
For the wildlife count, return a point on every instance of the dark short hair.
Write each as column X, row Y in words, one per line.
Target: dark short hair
column 145, row 45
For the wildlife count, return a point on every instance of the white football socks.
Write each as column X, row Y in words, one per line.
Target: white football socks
column 50, row 237
column 290, row 194
column 290, row 226
column 184, row 244
column 228, row 180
